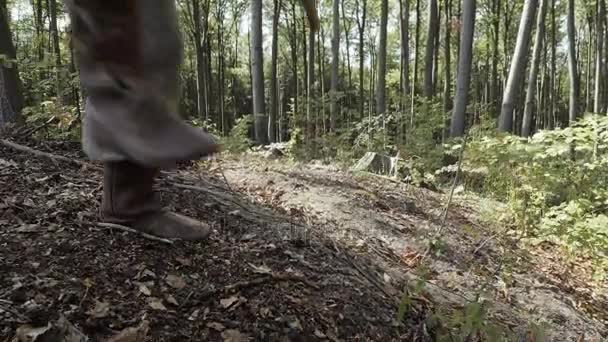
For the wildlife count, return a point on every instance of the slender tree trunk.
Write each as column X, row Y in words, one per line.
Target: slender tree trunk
column 553, row 72
column 272, row 137
column 294, row 58
column 518, row 66
column 361, row 28
column 335, row 64
column 430, row 48
column 11, row 97
column 588, row 91
column 39, row 28
column 56, row 49
column 381, row 84
column 496, row 83
column 599, row 63
column 447, row 85
column 572, row 72
column 257, row 72
column 201, row 101
column 310, row 83
column 404, row 18
column 347, row 27
column 526, row 128
column 464, row 68
column 415, row 71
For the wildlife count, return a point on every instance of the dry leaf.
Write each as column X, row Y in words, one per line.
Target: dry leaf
column 234, row 336
column 184, row 262
column 101, row 310
column 319, row 334
column 175, row 282
column 28, row 333
column 261, row 269
column 132, row 334
column 216, row 326
column 156, row 304
column 171, row 300
column 143, row 289
column 194, row 315
column 228, row 302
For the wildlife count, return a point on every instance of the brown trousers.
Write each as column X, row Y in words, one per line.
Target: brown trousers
column 128, row 53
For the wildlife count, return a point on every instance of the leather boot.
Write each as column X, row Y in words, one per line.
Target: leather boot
column 129, row 199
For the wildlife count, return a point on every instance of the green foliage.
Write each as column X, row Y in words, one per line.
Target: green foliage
column 238, row 140
column 554, row 182
column 58, row 121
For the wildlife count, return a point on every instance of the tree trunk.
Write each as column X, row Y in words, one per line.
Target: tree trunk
column 56, row 49
column 599, row 63
column 464, row 68
column 381, row 70
column 294, row 57
column 572, row 72
column 447, row 85
column 11, row 98
column 415, row 71
column 430, row 49
column 257, row 73
column 404, row 11
column 347, row 26
column 310, row 83
column 526, row 128
column 518, row 66
column 335, row 64
column 496, row 83
column 361, row 27
column 553, row 72
column 201, row 101
column 272, row 137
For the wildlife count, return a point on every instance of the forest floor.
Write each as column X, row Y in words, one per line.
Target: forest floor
column 299, row 253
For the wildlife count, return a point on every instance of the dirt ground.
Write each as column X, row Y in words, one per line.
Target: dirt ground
column 299, row 253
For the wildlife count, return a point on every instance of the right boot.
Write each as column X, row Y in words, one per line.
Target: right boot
column 129, row 200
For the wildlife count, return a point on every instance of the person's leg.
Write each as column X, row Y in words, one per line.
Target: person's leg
column 128, row 54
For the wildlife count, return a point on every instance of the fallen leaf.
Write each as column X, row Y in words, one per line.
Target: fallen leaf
column 101, row 310
column 132, row 334
column 216, row 326
column 261, row 269
column 29, row 333
column 184, row 262
column 248, row 237
column 171, row 300
column 175, row 282
column 194, row 315
column 319, row 334
column 387, row 278
column 234, row 336
column 143, row 289
column 228, row 302
column 156, row 304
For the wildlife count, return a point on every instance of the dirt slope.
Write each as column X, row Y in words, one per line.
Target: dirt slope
column 299, row 253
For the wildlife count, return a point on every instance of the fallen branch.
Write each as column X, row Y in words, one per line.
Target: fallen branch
column 51, row 156
column 134, row 231
column 275, row 277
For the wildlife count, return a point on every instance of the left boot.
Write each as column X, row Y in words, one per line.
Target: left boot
column 129, row 199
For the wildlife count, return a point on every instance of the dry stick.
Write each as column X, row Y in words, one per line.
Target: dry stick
column 131, row 230
column 259, row 281
column 439, row 231
column 51, row 156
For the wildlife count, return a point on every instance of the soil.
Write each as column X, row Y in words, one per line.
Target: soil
column 299, row 253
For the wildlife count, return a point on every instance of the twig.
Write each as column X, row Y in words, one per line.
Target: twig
column 134, row 231
column 51, row 156
column 275, row 277
column 29, row 132
column 456, row 178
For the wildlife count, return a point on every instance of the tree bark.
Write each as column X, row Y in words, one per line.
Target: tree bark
column 496, row 83
column 11, row 98
column 56, row 49
column 447, row 84
column 572, row 70
column 274, row 93
column 381, row 70
column 464, row 68
column 518, row 66
column 430, row 48
column 310, row 83
column 599, row 63
column 553, row 72
column 335, row 64
column 201, row 101
column 257, row 73
column 526, row 128
column 361, row 28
